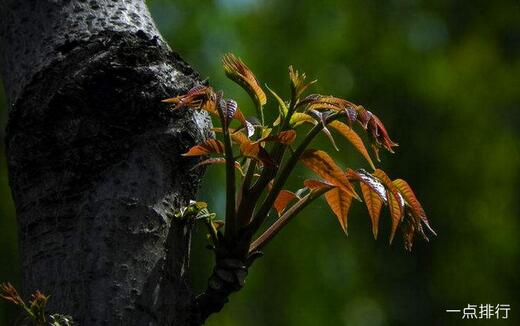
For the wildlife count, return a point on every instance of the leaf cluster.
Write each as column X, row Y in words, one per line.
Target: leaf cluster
column 35, row 310
column 260, row 156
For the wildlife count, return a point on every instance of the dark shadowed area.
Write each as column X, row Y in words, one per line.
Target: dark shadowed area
column 445, row 79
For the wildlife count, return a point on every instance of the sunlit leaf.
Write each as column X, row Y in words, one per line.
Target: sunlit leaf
column 283, row 199
column 411, row 200
column 266, row 132
column 323, row 165
column 326, row 102
column 373, row 202
column 198, row 97
column 330, row 103
column 236, row 135
column 363, row 176
column 377, row 130
column 218, row 160
column 191, row 94
column 321, row 118
column 298, row 84
column 257, row 152
column 353, row 138
column 210, row 161
column 316, row 184
column 298, row 118
column 395, row 205
column 281, row 104
column 322, row 106
column 308, row 100
column 286, row 137
column 209, row 146
column 339, row 102
column 277, row 121
column 380, row 134
column 210, row 105
column 239, row 138
column 363, row 116
column 339, row 202
column 237, row 71
column 245, row 124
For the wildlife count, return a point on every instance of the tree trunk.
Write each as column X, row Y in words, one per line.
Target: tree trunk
column 94, row 160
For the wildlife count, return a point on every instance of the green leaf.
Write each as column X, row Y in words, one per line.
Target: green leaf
column 281, row 104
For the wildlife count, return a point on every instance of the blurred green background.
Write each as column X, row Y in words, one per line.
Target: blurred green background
column 444, row 77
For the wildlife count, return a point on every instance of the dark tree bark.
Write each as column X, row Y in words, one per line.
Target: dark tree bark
column 94, row 160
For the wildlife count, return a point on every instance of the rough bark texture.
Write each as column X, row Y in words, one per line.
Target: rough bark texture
column 94, row 160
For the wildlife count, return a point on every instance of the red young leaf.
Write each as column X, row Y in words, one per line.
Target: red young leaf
column 236, row 135
column 210, row 106
column 363, row 116
column 339, row 202
column 330, row 103
column 415, row 206
column 285, row 137
column 218, row 160
column 321, row 118
column 371, row 122
column 298, row 84
column 199, row 96
column 408, row 233
column 395, row 205
column 326, row 102
column 179, row 100
column 315, row 184
column 318, row 105
column 197, row 90
column 249, row 148
column 392, row 196
column 8, row 292
column 353, row 138
column 209, row 146
column 283, row 199
column 380, row 134
column 369, row 180
column 373, row 203
column 257, row 152
column 236, row 70
column 239, row 138
column 245, row 124
column 324, row 166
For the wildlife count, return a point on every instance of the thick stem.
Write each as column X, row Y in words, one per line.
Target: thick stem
column 245, row 204
column 231, row 221
column 228, row 276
